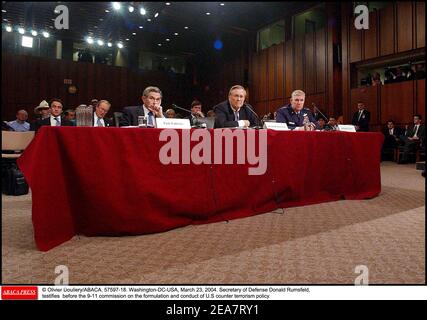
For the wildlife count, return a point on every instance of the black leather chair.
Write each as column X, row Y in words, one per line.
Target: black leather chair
column 117, row 116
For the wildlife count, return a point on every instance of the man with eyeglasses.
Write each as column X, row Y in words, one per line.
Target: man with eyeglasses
column 151, row 108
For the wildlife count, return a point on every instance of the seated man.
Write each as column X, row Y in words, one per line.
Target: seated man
column 101, row 110
column 412, row 139
column 293, row 114
column 332, row 124
column 55, row 118
column 234, row 112
column 70, row 115
column 196, row 111
column 20, row 124
column 391, row 137
column 170, row 113
column 151, row 107
column 322, row 124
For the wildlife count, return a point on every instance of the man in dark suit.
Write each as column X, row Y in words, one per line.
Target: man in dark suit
column 151, row 108
column 391, row 139
column 413, row 138
column 361, row 118
column 196, row 111
column 294, row 113
column 55, row 118
column 101, row 110
column 234, row 112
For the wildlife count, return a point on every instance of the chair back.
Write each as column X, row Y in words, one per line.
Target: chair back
column 117, row 116
column 12, row 140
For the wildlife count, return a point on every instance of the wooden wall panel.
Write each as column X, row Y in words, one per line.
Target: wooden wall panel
column 289, row 68
column 318, row 100
column 355, row 43
column 274, row 105
column 386, row 30
column 263, row 69
column 371, row 37
column 298, row 64
column 321, row 57
column 309, row 68
column 369, row 96
column 404, row 26
column 271, row 57
column 420, row 12
column 421, row 98
column 280, row 71
column 397, row 102
column 254, row 78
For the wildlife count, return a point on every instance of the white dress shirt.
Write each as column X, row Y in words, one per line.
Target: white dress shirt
column 95, row 120
column 53, row 121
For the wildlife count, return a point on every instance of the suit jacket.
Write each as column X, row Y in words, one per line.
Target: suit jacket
column 363, row 123
column 46, row 122
column 421, row 132
column 107, row 121
column 390, row 140
column 130, row 115
column 224, row 115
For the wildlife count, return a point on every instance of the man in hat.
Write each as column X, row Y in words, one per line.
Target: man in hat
column 55, row 118
column 42, row 111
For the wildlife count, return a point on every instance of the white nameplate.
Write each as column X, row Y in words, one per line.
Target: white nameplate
column 346, row 127
column 168, row 123
column 276, row 126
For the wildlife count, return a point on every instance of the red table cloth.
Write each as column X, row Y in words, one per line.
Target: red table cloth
column 111, row 182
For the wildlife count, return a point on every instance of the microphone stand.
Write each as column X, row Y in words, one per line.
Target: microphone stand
column 191, row 120
column 259, row 126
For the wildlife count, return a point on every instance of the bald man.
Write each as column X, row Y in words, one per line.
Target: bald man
column 20, row 124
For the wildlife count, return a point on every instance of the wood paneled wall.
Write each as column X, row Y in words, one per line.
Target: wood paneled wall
column 295, row 64
column 393, row 30
column 27, row 80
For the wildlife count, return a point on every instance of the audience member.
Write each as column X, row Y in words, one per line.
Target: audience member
column 361, row 118
column 20, row 124
column 196, row 111
column 376, row 79
column 322, row 124
column 42, row 111
column 413, row 138
column 332, row 124
column 70, row 115
column 55, row 118
column 170, row 113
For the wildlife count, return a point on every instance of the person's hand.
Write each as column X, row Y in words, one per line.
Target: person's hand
column 357, row 127
column 200, row 114
column 158, row 111
column 247, row 123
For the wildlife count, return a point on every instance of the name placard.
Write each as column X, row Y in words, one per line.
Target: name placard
column 276, row 126
column 167, row 123
column 346, row 127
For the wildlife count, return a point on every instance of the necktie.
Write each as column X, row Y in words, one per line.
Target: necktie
column 236, row 115
column 57, row 122
column 360, row 114
column 150, row 119
column 99, row 123
column 391, row 132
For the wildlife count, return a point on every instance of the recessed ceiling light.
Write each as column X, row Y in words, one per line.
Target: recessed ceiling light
column 4, row 11
column 131, row 9
column 149, row 20
column 127, row 39
column 100, row 43
column 140, row 27
column 142, row 11
column 176, row 33
column 156, row 15
column 159, row 44
column 101, row 19
column 120, row 45
column 168, row 3
column 222, row 4
column 8, row 28
column 208, row 13
column 168, row 39
column 134, row 33
column 89, row 40
column 117, row 5
column 185, row 27
column 109, row 44
column 21, row 30
column 34, row 33
column 4, row 19
column 106, row 10
column 45, row 34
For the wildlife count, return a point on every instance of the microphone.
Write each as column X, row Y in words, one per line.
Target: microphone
column 175, row 106
column 316, row 108
column 259, row 126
